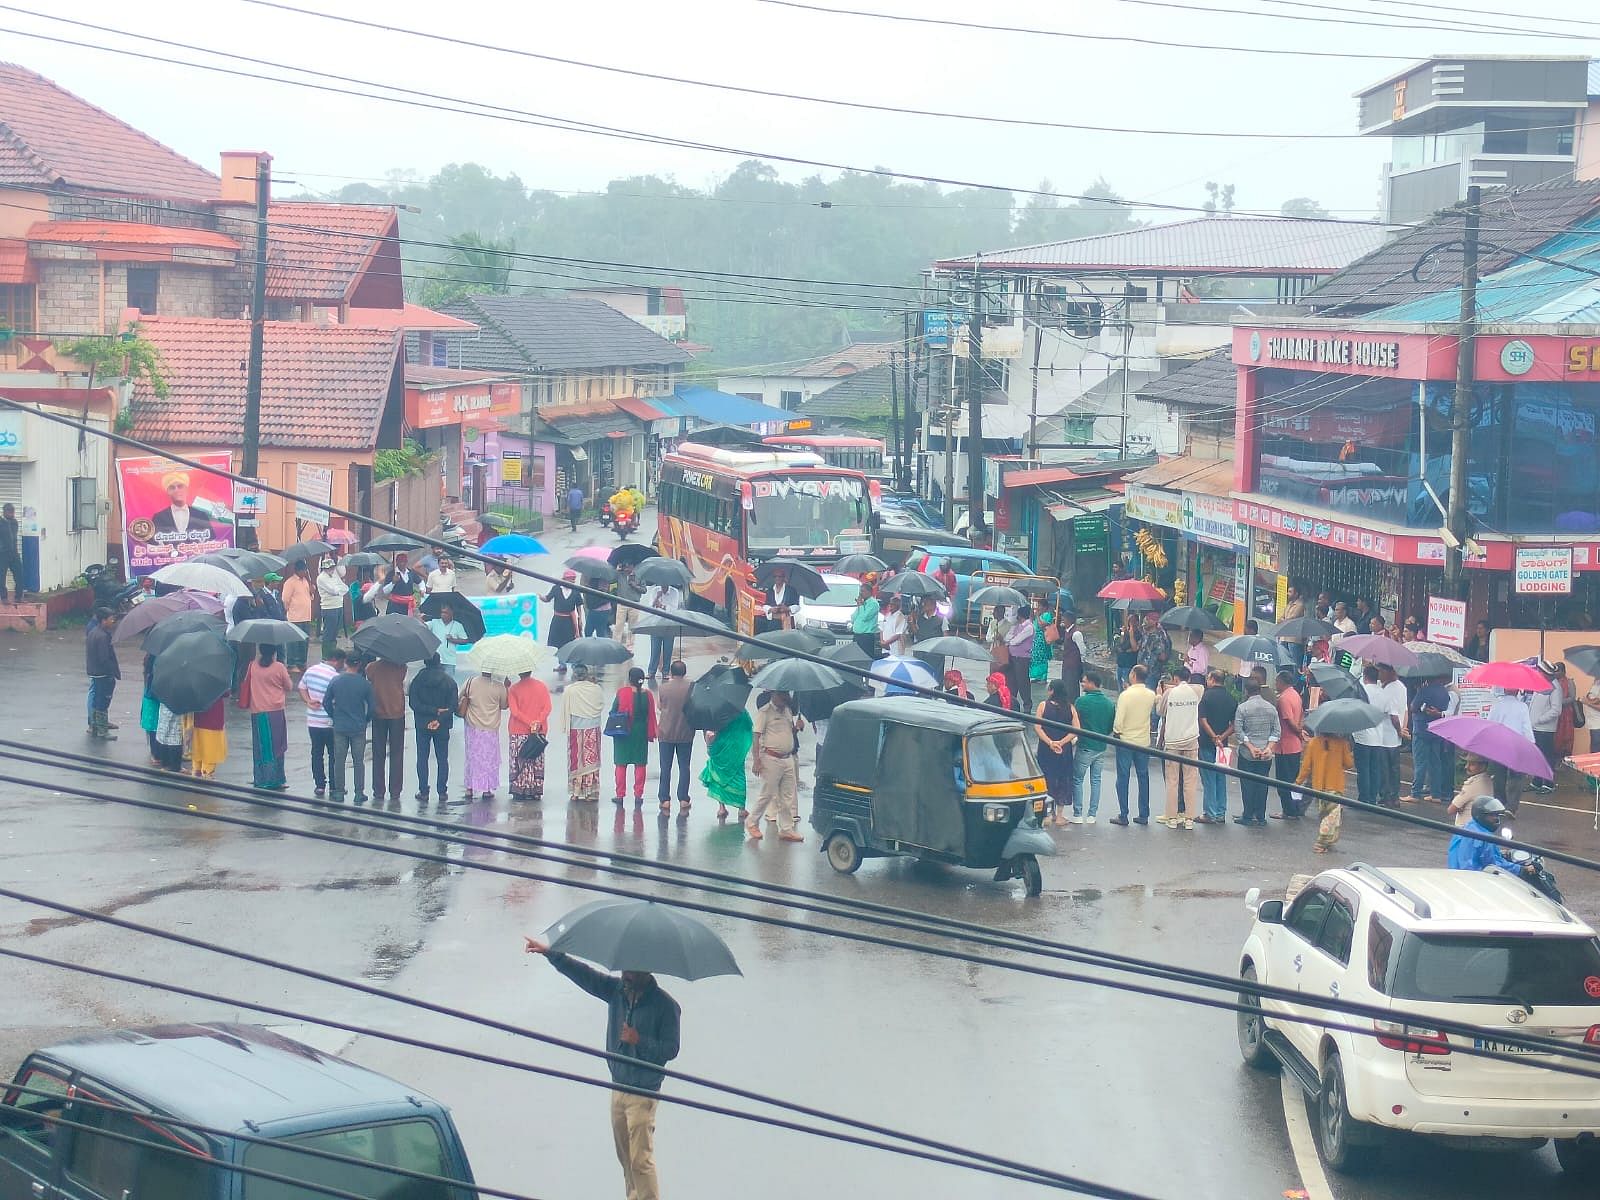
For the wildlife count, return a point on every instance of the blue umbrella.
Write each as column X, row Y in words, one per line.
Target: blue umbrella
column 513, row 544
column 897, row 672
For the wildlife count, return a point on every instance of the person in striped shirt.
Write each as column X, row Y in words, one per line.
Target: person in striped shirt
column 319, row 725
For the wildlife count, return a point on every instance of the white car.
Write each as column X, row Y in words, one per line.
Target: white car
column 1477, row 947
column 832, row 609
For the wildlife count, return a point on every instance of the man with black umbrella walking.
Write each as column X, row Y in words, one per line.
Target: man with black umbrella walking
column 641, row 1037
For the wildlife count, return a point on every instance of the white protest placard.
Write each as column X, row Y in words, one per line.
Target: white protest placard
column 1447, row 621
column 313, row 487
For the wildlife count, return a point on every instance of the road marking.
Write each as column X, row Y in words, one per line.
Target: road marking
column 1306, row 1159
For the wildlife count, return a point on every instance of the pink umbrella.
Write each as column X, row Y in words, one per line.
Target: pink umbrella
column 1513, row 676
column 1374, row 647
column 603, row 553
column 1493, row 741
column 340, row 537
column 1130, row 589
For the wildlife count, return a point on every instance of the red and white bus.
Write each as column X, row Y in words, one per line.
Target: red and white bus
column 724, row 511
column 862, row 454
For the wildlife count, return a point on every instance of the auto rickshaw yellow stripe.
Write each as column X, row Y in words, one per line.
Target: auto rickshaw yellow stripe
column 1013, row 789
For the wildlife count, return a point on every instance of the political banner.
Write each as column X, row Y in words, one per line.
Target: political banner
column 171, row 512
column 513, row 614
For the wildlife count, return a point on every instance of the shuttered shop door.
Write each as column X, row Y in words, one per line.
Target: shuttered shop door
column 11, row 484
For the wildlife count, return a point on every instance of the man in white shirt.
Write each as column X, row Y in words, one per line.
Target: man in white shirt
column 1367, row 749
column 1341, row 618
column 1179, row 706
column 443, row 577
column 1390, row 696
column 332, row 590
column 1511, row 710
column 893, row 628
column 319, row 725
column 660, row 596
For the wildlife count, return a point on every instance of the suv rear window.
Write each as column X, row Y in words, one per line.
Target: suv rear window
column 1494, row 968
column 411, row 1145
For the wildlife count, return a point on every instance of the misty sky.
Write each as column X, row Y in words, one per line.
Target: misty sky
column 320, row 139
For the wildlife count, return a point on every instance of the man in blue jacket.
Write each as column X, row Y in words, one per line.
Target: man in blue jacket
column 641, row 1037
column 1471, row 854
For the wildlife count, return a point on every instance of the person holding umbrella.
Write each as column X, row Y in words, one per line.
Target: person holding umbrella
column 581, row 711
column 319, row 726
column 727, row 750
column 1327, row 759
column 642, row 1036
column 864, row 620
column 266, row 693
column 433, row 699
column 210, row 746
column 403, row 585
column 333, row 592
column 662, row 597
column 564, row 601
column 450, row 632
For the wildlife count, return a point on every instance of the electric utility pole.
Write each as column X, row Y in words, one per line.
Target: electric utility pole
column 1461, row 406
column 250, row 465
column 977, row 526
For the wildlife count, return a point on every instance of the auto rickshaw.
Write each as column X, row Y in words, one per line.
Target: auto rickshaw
column 919, row 777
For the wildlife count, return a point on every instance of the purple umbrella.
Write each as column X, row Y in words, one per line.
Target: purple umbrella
column 1495, row 742
column 1374, row 647
column 147, row 614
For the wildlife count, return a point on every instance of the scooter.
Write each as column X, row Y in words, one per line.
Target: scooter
column 1535, row 872
column 626, row 523
column 108, row 592
column 456, row 538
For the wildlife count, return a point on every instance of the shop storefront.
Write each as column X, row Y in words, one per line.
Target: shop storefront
column 1343, row 441
column 447, row 411
column 1190, row 544
column 1061, row 522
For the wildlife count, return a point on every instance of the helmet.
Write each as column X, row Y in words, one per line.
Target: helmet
column 1488, row 811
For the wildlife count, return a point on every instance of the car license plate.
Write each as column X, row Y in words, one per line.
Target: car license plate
column 1494, row 1047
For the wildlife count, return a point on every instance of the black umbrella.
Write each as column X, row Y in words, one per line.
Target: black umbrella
column 638, row 935
column 361, row 558
column 998, row 594
column 847, row 654
column 468, row 613
column 193, row 672
column 953, row 647
column 716, row 697
column 912, row 583
column 819, row 706
column 860, row 564
column 389, row 542
column 396, row 637
column 310, row 548
column 264, row 631
column 1585, row 658
column 1305, row 629
column 797, row 675
column 807, row 580
column 594, row 652
column 784, row 641
column 593, row 569
column 656, row 571
column 1429, row 666
column 678, row 622
column 1252, row 648
column 1336, row 683
column 1189, row 617
column 147, row 614
column 246, row 564
column 1345, row 716
column 172, row 628
column 630, row 554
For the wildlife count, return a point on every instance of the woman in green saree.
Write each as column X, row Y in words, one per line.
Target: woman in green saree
column 724, row 772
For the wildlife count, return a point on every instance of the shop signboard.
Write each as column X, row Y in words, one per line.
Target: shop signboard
column 1210, row 519
column 13, row 434
column 1447, row 621
column 511, row 468
column 1153, row 506
column 936, row 326
column 1543, row 571
column 313, row 485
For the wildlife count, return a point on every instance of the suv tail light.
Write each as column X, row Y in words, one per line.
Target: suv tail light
column 1592, row 1038
column 1413, row 1039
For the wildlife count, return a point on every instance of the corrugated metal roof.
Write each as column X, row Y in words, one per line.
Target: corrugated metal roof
column 1515, row 220
column 1527, row 292
column 532, row 333
column 1202, row 245
column 720, row 408
column 1187, row 473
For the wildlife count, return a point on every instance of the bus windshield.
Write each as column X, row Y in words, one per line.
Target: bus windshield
column 805, row 513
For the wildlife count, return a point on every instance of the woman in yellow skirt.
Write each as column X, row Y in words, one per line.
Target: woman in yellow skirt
column 211, row 738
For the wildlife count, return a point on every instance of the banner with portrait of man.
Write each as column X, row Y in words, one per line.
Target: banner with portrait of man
column 172, row 512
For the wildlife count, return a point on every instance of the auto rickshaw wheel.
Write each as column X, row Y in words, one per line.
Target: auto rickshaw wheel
column 844, row 856
column 1032, row 877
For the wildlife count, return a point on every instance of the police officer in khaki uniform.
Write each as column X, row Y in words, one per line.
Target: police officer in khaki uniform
column 776, row 755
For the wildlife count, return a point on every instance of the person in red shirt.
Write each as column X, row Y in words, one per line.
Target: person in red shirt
column 1291, row 744
column 945, row 577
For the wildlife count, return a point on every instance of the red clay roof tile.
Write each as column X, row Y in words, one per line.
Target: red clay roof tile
column 127, row 233
column 323, row 386
column 15, row 265
column 319, row 252
column 51, row 138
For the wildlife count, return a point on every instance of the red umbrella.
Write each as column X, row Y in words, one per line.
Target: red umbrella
column 340, row 537
column 1130, row 589
column 1513, row 676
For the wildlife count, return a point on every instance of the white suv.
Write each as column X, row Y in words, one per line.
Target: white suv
column 1476, row 947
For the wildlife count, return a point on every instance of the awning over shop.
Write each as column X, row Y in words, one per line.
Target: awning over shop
column 1187, row 473
column 642, row 409
column 718, row 408
column 1065, row 506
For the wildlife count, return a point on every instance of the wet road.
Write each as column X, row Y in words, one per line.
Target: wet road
column 1135, row 1092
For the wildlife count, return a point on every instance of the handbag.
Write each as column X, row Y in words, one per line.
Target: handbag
column 244, row 687
column 1052, row 634
column 532, row 746
column 466, row 698
column 618, row 724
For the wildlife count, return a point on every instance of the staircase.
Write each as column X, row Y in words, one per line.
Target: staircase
column 465, row 517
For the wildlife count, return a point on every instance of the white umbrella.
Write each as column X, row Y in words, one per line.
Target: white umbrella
column 505, row 654
column 202, row 577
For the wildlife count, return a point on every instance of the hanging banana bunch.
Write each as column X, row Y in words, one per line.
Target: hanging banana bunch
column 1150, row 547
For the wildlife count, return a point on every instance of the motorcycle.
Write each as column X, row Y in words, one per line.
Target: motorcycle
column 625, row 524
column 109, row 592
column 606, row 515
column 456, row 538
column 1535, row 872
